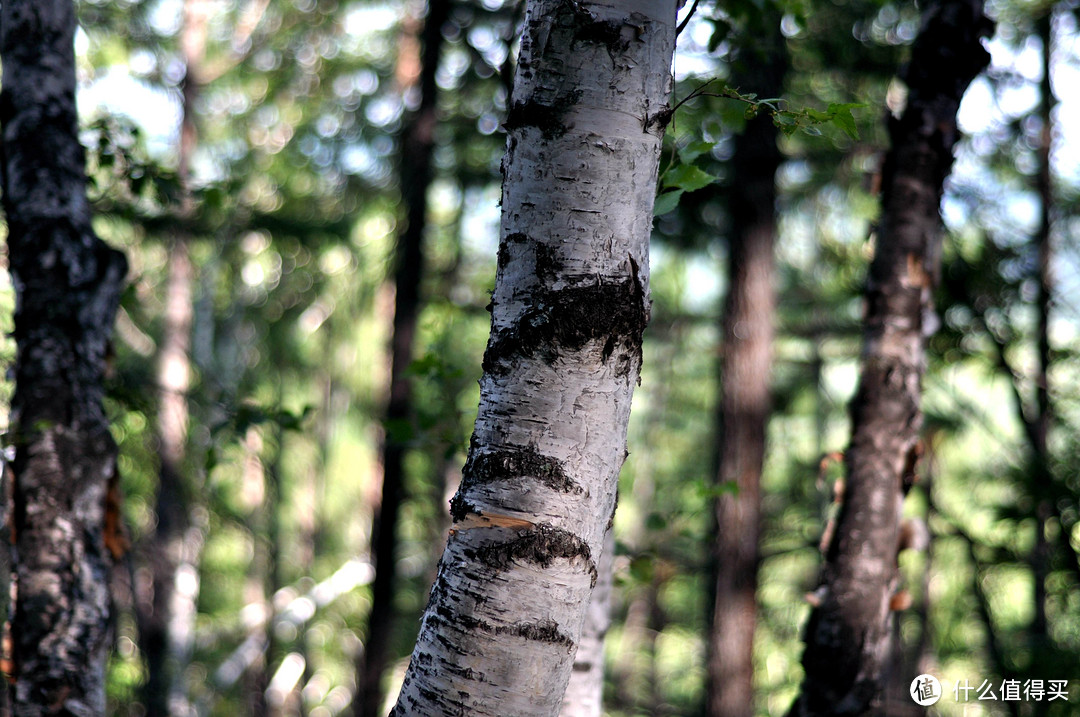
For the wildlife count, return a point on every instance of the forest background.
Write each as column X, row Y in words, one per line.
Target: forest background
column 248, row 158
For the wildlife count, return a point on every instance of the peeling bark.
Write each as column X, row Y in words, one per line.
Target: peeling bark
column 570, row 303
column 745, row 394
column 67, row 284
column 848, row 635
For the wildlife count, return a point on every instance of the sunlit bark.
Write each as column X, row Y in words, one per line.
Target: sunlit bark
column 569, row 306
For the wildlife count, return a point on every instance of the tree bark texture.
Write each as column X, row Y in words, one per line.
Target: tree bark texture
column 848, row 635
column 568, row 310
column 67, row 284
column 415, row 174
column 745, row 399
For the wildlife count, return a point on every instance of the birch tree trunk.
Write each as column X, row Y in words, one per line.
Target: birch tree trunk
column 569, row 307
column 67, row 284
column 745, row 389
column 848, row 634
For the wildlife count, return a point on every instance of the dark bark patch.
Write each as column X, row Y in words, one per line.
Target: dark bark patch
column 504, row 247
column 550, row 119
column 543, row 631
column 460, row 507
column 567, row 319
column 549, row 265
column 542, row 546
column 516, row 462
column 614, row 35
column 614, row 507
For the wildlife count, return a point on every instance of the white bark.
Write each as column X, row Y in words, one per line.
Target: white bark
column 569, row 306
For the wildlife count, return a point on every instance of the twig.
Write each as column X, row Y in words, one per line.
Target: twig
column 686, row 20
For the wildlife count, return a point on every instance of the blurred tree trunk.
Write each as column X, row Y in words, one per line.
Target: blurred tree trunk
column 415, row 173
column 262, row 494
column 745, row 375
column 67, row 284
column 848, row 634
column 1042, row 416
column 570, row 303
column 6, row 563
column 584, row 696
column 166, row 614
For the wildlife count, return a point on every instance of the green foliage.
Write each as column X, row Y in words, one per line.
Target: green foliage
column 290, row 217
column 787, row 120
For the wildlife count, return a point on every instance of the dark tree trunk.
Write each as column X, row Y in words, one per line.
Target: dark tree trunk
column 415, row 170
column 1043, row 488
column 745, row 402
column 848, row 634
column 6, row 565
column 67, row 284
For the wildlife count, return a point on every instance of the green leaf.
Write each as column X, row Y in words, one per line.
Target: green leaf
column 710, row 491
column 688, row 177
column 785, row 118
column 666, row 202
column 693, row 150
column 844, row 106
column 841, row 117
